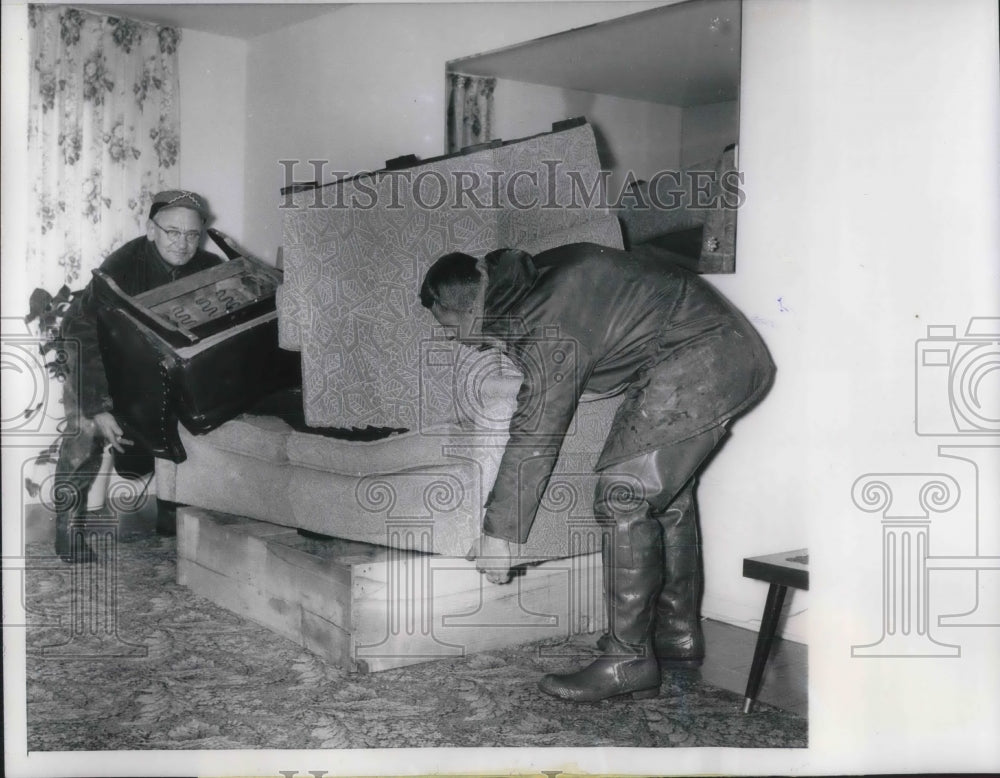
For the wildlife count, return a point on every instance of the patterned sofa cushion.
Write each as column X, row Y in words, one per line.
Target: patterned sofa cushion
column 259, row 437
column 349, row 300
column 371, row 492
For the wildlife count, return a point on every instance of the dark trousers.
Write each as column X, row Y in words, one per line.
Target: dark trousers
column 658, row 476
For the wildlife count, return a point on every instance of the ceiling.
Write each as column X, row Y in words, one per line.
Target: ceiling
column 233, row 20
column 683, row 54
column 687, row 53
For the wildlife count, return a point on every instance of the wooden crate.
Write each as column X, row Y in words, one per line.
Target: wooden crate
column 367, row 608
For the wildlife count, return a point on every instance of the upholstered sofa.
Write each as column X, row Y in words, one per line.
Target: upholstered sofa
column 394, row 427
column 372, row 359
column 379, row 491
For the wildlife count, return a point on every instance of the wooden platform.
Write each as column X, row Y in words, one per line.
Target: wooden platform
column 368, row 608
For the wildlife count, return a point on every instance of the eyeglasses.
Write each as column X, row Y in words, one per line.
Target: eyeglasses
column 175, row 236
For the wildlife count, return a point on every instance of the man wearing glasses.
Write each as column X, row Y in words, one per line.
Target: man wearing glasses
column 169, row 250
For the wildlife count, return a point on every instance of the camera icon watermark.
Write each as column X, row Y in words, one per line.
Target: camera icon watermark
column 958, row 379
column 957, row 394
column 35, row 368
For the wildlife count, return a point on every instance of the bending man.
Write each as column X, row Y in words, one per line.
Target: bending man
column 688, row 361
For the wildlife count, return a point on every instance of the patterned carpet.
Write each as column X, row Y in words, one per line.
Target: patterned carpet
column 174, row 671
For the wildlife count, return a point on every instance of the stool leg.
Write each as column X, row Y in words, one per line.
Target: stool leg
column 768, row 626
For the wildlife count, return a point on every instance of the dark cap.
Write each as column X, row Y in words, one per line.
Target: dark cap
column 179, row 198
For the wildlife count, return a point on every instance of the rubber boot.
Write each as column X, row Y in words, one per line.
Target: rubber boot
column 633, row 574
column 679, row 640
column 76, row 468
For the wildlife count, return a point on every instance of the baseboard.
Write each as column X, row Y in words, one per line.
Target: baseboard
column 747, row 614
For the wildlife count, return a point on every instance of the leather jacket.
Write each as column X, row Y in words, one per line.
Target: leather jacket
column 584, row 317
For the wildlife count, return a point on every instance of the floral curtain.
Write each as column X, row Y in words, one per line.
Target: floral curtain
column 470, row 110
column 103, row 136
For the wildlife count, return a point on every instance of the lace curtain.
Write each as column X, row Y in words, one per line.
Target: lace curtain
column 103, row 136
column 470, row 110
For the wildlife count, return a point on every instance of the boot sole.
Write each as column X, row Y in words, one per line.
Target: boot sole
column 640, row 694
column 644, row 694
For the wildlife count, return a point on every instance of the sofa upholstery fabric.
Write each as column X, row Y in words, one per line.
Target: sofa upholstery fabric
column 353, row 267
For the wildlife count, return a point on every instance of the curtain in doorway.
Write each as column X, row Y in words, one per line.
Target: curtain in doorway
column 103, row 136
column 470, row 110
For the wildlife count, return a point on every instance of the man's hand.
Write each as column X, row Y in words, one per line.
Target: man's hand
column 492, row 557
column 111, row 431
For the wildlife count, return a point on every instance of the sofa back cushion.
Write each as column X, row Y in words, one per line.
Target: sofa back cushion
column 353, row 268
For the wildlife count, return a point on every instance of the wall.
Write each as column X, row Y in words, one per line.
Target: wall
column 213, row 84
column 707, row 129
column 367, row 83
column 632, row 135
column 875, row 217
column 19, row 386
column 14, row 163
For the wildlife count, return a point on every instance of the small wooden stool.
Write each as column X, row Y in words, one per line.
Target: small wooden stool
column 790, row 568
